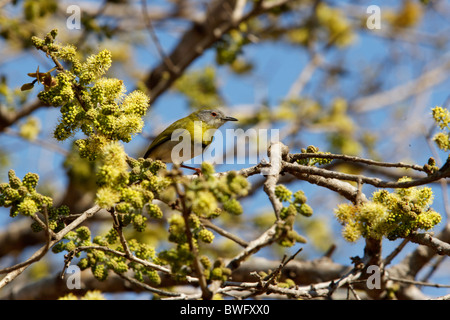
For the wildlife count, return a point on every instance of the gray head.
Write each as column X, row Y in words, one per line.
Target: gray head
column 213, row 118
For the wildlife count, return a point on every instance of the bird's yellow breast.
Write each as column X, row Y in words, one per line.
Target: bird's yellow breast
column 200, row 132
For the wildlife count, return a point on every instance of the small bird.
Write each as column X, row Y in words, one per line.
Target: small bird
column 199, row 127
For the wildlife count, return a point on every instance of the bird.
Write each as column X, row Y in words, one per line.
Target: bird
column 198, row 129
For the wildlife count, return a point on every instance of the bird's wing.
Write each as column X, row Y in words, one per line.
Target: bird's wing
column 164, row 136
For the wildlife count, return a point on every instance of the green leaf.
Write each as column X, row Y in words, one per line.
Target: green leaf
column 27, row 86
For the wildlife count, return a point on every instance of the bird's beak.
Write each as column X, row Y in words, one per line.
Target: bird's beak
column 230, row 119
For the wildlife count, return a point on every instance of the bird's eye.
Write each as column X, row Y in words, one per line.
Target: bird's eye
column 213, row 114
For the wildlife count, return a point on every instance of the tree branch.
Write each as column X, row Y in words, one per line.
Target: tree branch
column 13, row 272
column 201, row 36
column 8, row 118
column 206, row 293
column 440, row 247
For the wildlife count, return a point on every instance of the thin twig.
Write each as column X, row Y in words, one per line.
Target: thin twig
column 69, row 256
column 147, row 287
column 440, row 247
column 207, row 294
column 401, row 92
column 118, row 227
column 444, row 185
column 350, row 277
column 298, row 156
column 13, row 272
column 419, row 283
column 376, row 182
column 272, row 276
column 168, row 62
column 394, row 253
column 39, row 142
column 273, row 177
column 304, row 76
column 223, row 232
column 8, row 117
column 352, row 290
column 434, row 267
column 267, row 238
column 75, row 86
column 40, row 253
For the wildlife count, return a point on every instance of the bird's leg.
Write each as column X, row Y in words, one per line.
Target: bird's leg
column 197, row 170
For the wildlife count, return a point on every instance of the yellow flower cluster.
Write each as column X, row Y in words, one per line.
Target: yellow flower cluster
column 285, row 232
column 89, row 102
column 442, row 118
column 391, row 215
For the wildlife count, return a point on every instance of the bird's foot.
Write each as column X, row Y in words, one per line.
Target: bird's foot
column 197, row 170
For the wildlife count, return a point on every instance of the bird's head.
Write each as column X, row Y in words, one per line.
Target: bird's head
column 212, row 118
